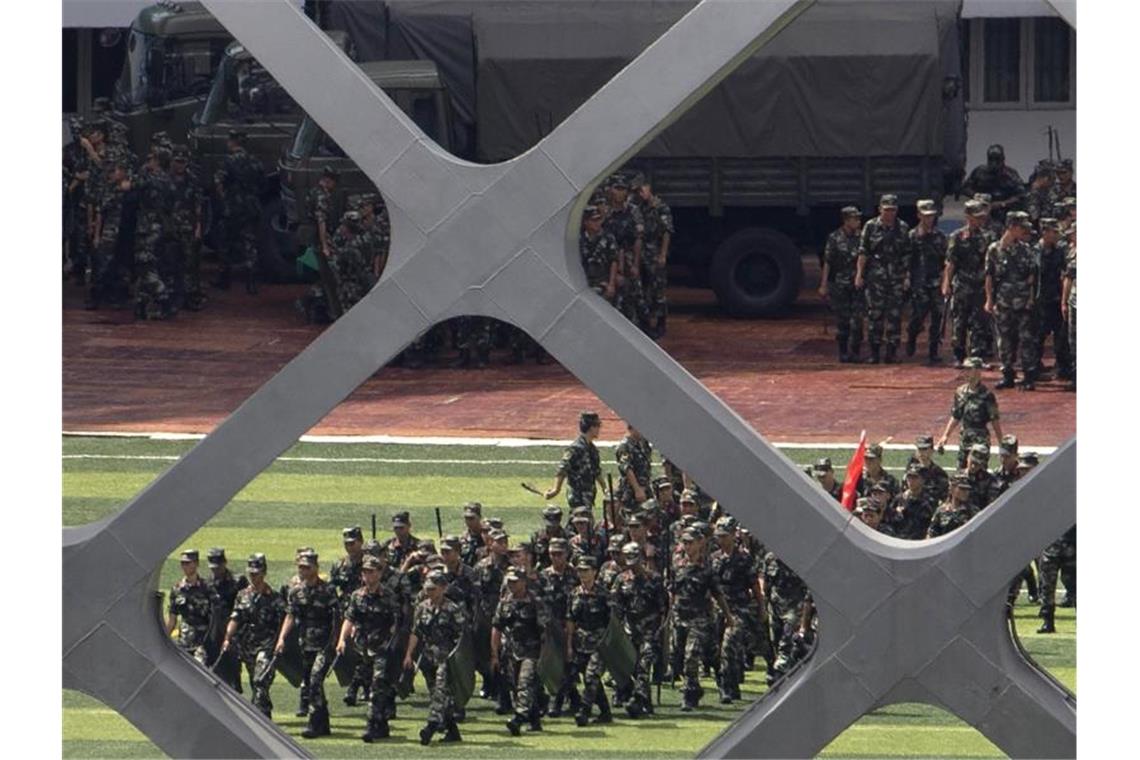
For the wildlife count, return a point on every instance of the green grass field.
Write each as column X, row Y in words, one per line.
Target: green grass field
column 316, row 489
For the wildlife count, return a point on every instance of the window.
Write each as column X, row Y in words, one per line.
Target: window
column 1024, row 63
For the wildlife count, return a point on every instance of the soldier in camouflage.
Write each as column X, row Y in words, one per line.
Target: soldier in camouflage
column 238, row 184
column 153, row 226
column 371, row 613
column 1011, row 290
column 517, row 628
column 882, row 271
column 983, row 486
column 935, row 482
column 964, row 283
column 1049, row 253
column 471, row 541
column 587, row 620
column 438, row 626
column 975, row 409
column 345, row 578
column 223, row 583
column 1038, row 198
column 999, row 181
column 658, row 218
column 312, row 607
column 599, row 253
column 586, row 540
column 1069, row 304
column 1063, row 189
column 787, row 599
column 255, row 620
column 874, row 473
column 837, row 284
column 187, row 232
column 490, row 573
column 581, row 467
column 954, row 512
column 403, row 543
column 550, row 530
column 928, row 261
column 1059, row 557
column 192, row 606
column 107, row 198
column 824, row 474
column 557, row 583
column 634, row 457
column 737, row 579
column 614, row 564
column 640, row 599
column 625, row 223
column 910, row 512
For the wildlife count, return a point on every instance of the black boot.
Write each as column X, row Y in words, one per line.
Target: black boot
column 514, row 726
column 844, row 357
column 605, row 715
column 1007, row 380
column 582, row 718
column 318, row 724
column 452, row 734
column 911, row 344
column 856, row 347
column 934, row 357
column 377, row 729
column 874, row 357
column 556, row 709
column 303, row 705
column 535, row 724
column 427, row 732
column 1029, row 380
column 959, row 356
column 890, row 358
column 1047, row 625
column 350, row 695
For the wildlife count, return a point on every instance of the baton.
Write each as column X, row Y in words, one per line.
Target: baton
column 532, row 489
column 373, row 526
column 438, row 523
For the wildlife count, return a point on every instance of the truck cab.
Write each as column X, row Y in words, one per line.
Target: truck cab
column 416, row 88
column 172, row 52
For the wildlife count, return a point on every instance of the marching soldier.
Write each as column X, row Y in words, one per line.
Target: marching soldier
column 736, row 577
column 558, row 582
column 192, row 606
column 1050, row 253
column 983, row 486
column 787, row 599
column 963, row 281
column 403, row 543
column 1011, row 287
column 910, row 512
column 472, row 547
column 313, row 608
column 581, row 467
column 1038, row 203
column 588, row 617
column 550, row 530
column 490, row 574
column 935, row 481
column 587, row 540
column 223, row 583
column 874, row 473
column 837, row 283
column 255, row 621
column 956, row 511
column 824, row 474
column 975, row 408
column 1064, row 188
column 928, row 260
column 640, row 599
column 371, row 613
column 634, row 457
column 438, row 627
column 345, row 578
column 882, row 271
column 516, row 640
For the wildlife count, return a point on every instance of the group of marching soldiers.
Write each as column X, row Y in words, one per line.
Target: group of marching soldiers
column 1010, row 271
column 133, row 230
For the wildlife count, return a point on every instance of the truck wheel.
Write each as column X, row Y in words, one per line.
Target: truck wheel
column 756, row 272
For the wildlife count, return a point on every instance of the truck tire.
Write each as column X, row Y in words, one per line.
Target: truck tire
column 756, row 272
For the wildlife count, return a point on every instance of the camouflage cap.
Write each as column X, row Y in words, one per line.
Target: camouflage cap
column 1018, row 219
column 351, row 217
column 688, row 496
column 975, row 208
column 729, row 522
column 188, row 555
column 1065, row 165
column 634, row 521
column 451, row 542
column 924, row 442
column 631, row 549
column 689, row 519
column 400, row 519
column 995, row 151
column 973, row 362
column 719, row 531
column 822, row 465
column 649, row 507
column 926, row 207
column 916, row 470
column 101, row 104
column 638, row 180
column 663, row 481
column 330, row 172
column 426, row 545
column 586, row 562
column 592, row 212
column 581, row 514
column 1069, row 202
column 307, row 558
column 558, row 545
column 1044, row 166
column 615, row 545
column 498, row 534
column 1008, row 444
column 980, row 451
column 880, row 487
column 1049, row 223
column 962, row 480
column 215, row 556
column 874, row 451
column 889, row 200
column 472, row 509
column 847, row 211
column 256, row 563
column 1027, row 460
column 435, row 579
column 514, row 575
column 619, row 181
column 180, row 152
column 301, row 550
column 434, row 561
column 701, row 528
column 688, row 535
column 353, row 533
column 373, row 547
column 371, row 563
column 495, row 522
column 552, row 513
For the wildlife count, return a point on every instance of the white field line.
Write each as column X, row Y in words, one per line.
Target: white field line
column 492, row 442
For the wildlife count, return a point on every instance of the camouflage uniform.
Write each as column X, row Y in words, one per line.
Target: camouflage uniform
column 1013, row 272
column 195, row 605
column 909, row 516
column 928, row 259
column 1001, row 183
column 522, row 622
column 1050, row 266
column 884, row 274
column 627, row 226
column 344, row 576
column 352, row 263
column 106, row 277
column 315, row 610
column 636, row 455
column 590, row 613
column 375, row 617
column 984, row 489
column 640, row 602
column 581, row 466
column 154, row 224
column 258, row 617
column 556, row 591
column 227, row 587
column 598, row 255
column 187, row 259
column 866, row 483
column 948, row 517
column 975, row 409
column 439, row 629
column 1058, row 557
column 658, row 219
column 935, row 481
column 840, row 253
column 736, row 577
column 787, row 595
column 967, row 251
column 1071, row 274
column 240, row 179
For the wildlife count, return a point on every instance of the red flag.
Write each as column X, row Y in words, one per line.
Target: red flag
column 854, row 472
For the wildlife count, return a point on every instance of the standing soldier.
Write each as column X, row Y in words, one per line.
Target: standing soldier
column 997, row 180
column 1038, row 203
column 255, row 621
column 634, row 457
column 106, row 277
column 626, row 225
column 640, row 599
column 192, row 606
column 964, row 281
column 837, row 284
column 935, row 481
column 471, row 542
column 882, row 271
column 955, row 512
column 370, row 616
column 658, row 219
column 223, row 583
column 599, row 253
column 1049, row 254
column 238, row 185
column 1063, row 188
column 403, row 542
column 153, row 226
column 928, row 260
column 1058, row 557
column 313, row 607
column 345, row 578
column 1069, row 304
column 187, row 232
column 581, row 467
column 520, row 620
column 735, row 571
column 874, row 473
column 588, row 618
column 975, row 408
column 438, row 626
column 910, row 512
column 1011, row 287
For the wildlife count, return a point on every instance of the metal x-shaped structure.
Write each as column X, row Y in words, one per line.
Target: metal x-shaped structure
column 899, row 621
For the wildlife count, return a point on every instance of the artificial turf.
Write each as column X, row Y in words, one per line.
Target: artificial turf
column 315, row 489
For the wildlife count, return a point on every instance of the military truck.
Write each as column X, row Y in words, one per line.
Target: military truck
column 416, row 88
column 173, row 50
